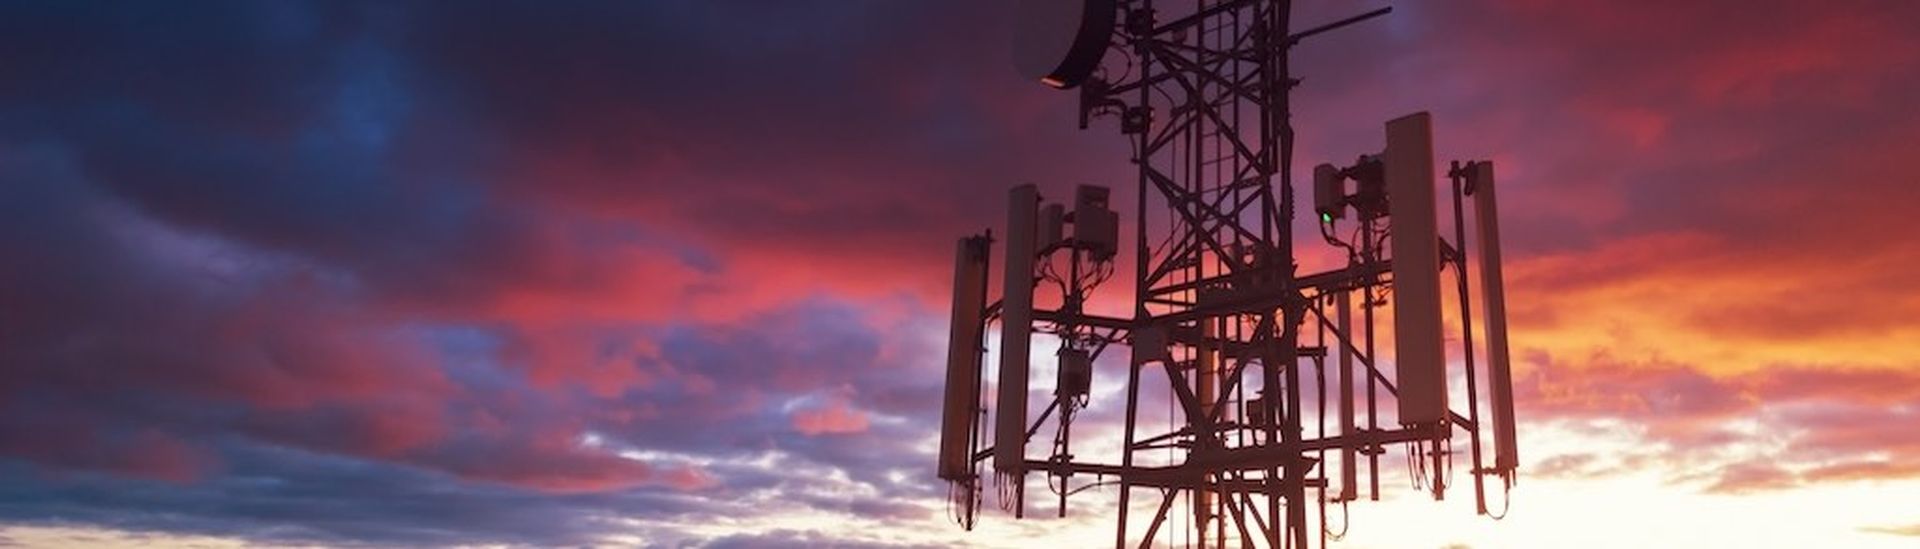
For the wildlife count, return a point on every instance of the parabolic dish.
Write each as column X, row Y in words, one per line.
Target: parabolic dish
column 1060, row 42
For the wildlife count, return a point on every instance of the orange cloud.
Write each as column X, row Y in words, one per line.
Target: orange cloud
column 1691, row 298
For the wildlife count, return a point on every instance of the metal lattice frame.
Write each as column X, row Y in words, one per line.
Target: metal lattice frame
column 1205, row 104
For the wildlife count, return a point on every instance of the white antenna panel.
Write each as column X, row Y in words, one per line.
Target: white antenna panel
column 963, row 357
column 1016, row 332
column 1492, row 290
column 1349, row 457
column 1419, row 352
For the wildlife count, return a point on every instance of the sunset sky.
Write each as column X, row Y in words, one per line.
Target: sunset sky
column 676, row 273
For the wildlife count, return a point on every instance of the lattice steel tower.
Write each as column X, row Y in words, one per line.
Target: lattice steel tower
column 1274, row 372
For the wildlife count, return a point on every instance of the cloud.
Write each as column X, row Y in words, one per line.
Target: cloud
column 161, row 339
column 1750, row 477
column 834, row 417
column 1748, row 432
column 1911, row 530
column 356, row 273
column 285, row 496
column 796, row 538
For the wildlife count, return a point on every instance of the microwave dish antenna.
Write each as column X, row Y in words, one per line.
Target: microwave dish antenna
column 1060, row 43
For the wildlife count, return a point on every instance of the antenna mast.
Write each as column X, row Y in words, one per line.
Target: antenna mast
column 1245, row 342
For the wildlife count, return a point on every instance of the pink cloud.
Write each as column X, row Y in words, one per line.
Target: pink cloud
column 832, row 418
column 689, row 479
column 1750, row 477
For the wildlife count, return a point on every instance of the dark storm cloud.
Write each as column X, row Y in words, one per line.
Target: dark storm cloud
column 726, row 390
column 290, row 496
column 269, row 264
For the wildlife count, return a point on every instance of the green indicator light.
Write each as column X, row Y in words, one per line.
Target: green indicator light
column 1326, row 217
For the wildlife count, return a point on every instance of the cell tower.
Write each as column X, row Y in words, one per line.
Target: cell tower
column 1285, row 402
